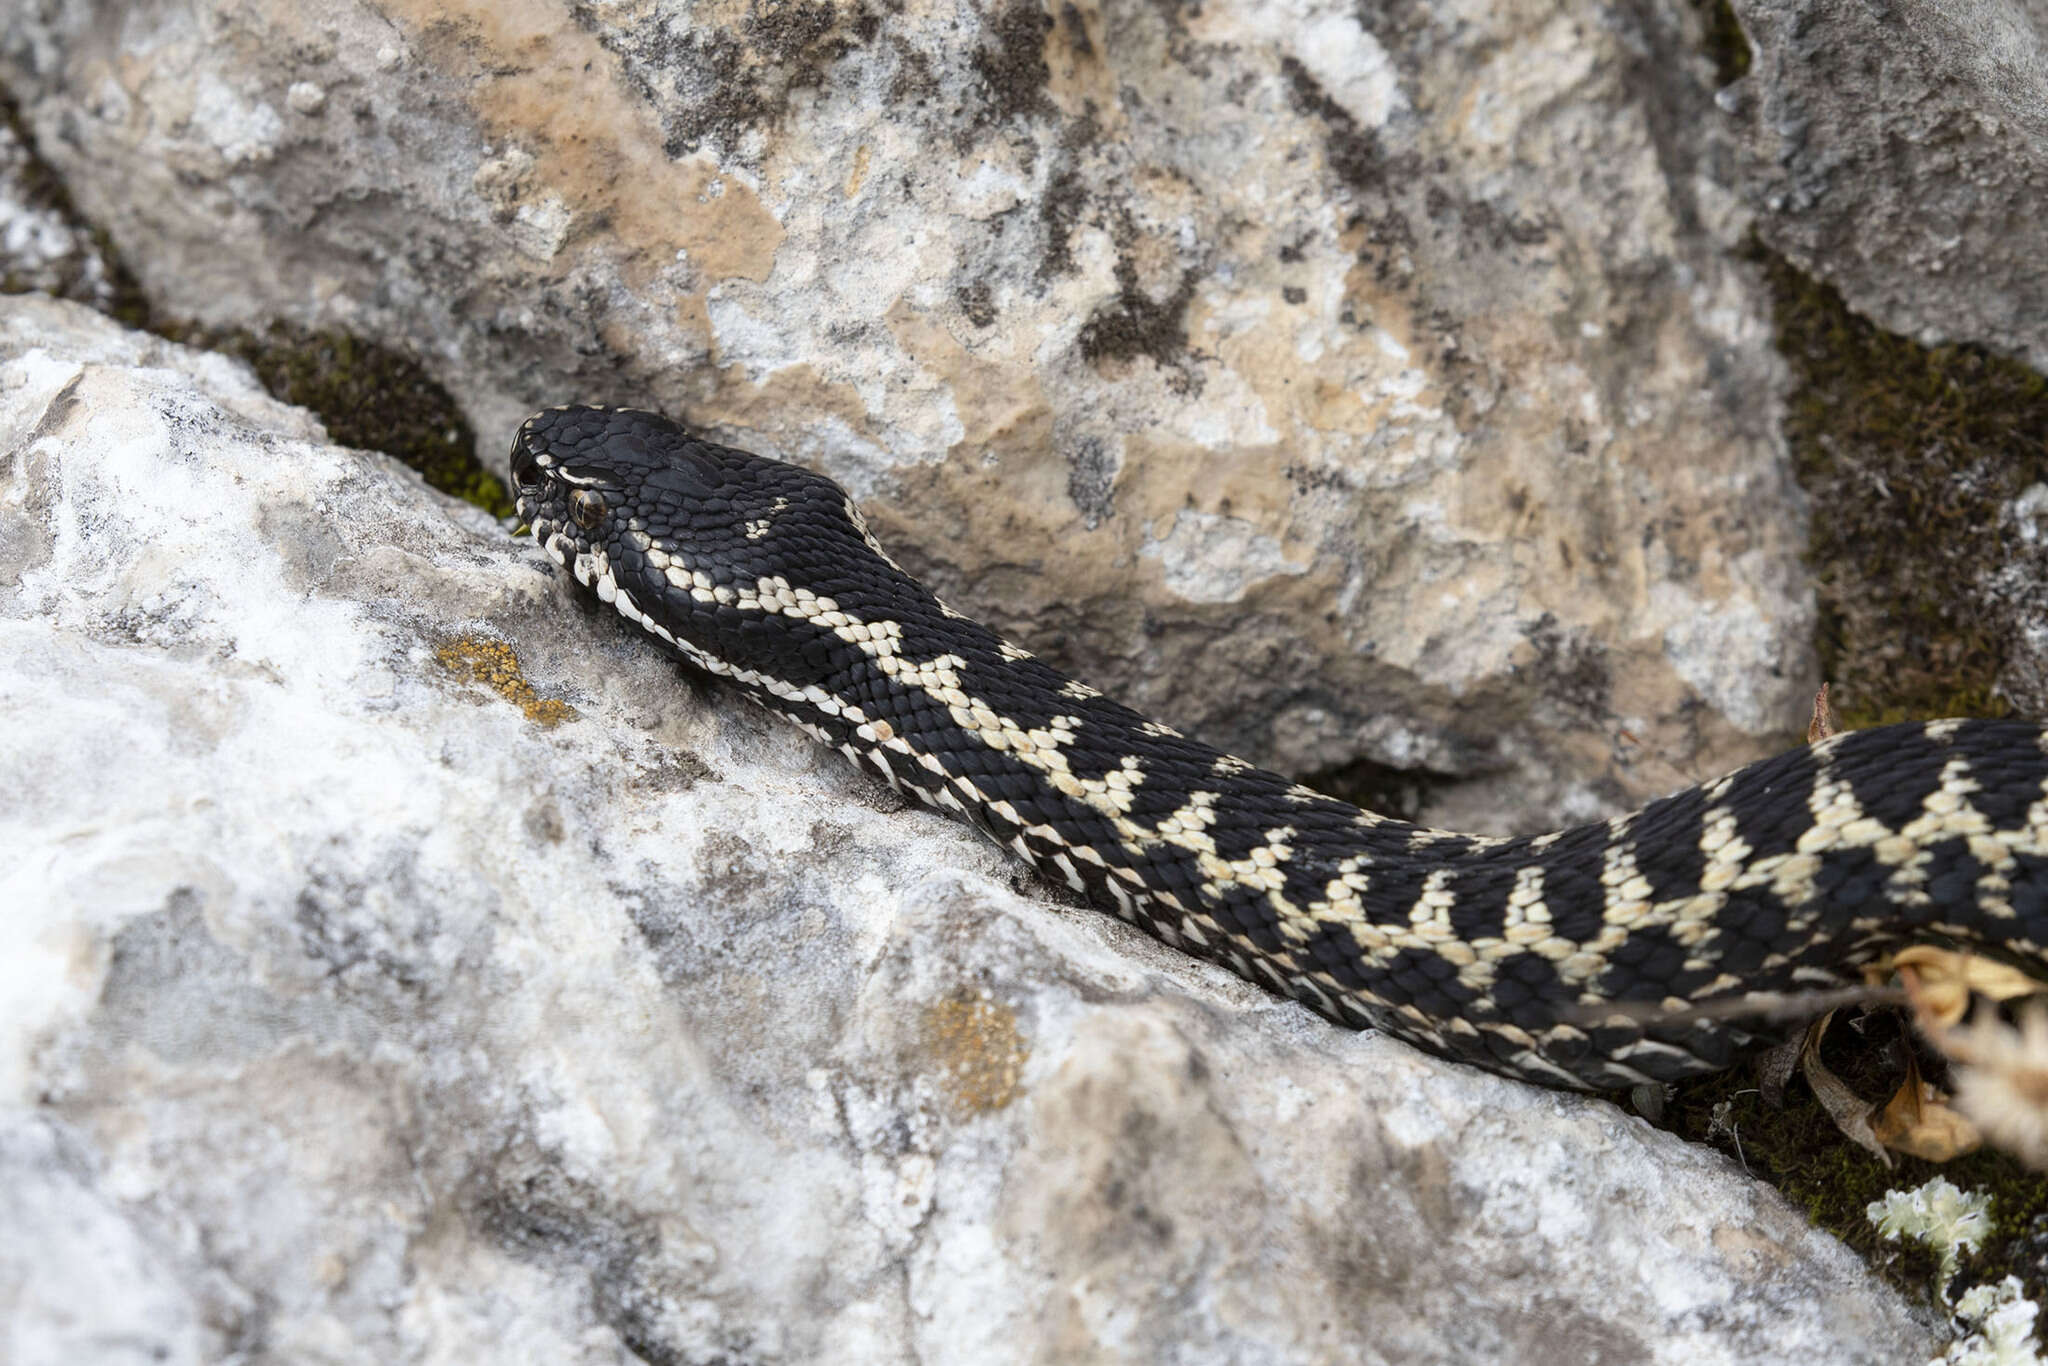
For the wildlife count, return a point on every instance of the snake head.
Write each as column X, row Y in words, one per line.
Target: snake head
column 697, row 543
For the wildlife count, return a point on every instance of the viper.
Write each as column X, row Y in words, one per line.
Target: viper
column 1608, row 955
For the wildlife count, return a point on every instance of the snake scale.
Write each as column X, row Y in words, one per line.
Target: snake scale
column 1592, row 958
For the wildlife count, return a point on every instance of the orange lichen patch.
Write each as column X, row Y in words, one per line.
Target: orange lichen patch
column 997, row 396
column 1078, row 81
column 977, row 1051
column 1353, row 384
column 495, row 664
column 538, row 81
column 859, row 173
column 782, row 404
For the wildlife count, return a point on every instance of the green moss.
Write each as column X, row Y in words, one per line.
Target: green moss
column 1909, row 454
column 1727, row 45
column 1725, row 41
column 371, row 397
column 1799, row 1150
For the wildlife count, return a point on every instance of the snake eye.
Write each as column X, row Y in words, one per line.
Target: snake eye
column 587, row 508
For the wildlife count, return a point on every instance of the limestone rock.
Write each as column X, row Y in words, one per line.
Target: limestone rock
column 42, row 245
column 1336, row 387
column 1900, row 152
column 401, row 961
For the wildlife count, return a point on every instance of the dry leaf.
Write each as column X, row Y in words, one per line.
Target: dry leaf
column 1823, row 723
column 1918, row 1122
column 1775, row 1066
column 2001, row 1072
column 1939, row 982
column 2001, row 1076
column 1850, row 1112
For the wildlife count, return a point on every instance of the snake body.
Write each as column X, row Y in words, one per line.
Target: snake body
column 1597, row 957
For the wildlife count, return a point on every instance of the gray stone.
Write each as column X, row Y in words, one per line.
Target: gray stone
column 1337, row 383
column 375, row 995
column 2018, row 588
column 1900, row 152
column 42, row 246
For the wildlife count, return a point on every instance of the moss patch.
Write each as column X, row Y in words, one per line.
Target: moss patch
column 1799, row 1150
column 1726, row 44
column 368, row 396
column 1910, row 455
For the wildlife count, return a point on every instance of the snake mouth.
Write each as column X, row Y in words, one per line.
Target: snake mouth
column 548, row 536
column 590, row 568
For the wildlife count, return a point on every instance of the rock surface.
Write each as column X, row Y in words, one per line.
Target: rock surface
column 42, row 245
column 1900, row 152
column 401, row 961
column 1334, row 387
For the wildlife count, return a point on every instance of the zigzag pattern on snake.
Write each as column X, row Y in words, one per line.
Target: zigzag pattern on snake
column 1552, row 958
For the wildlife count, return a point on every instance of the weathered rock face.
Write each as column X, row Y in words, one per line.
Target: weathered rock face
column 1900, row 152
column 374, row 992
column 41, row 247
column 1334, row 387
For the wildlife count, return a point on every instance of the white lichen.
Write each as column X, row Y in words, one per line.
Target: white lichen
column 1950, row 1221
column 2001, row 1320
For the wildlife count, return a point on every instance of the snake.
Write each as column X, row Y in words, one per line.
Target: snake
column 1613, row 954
